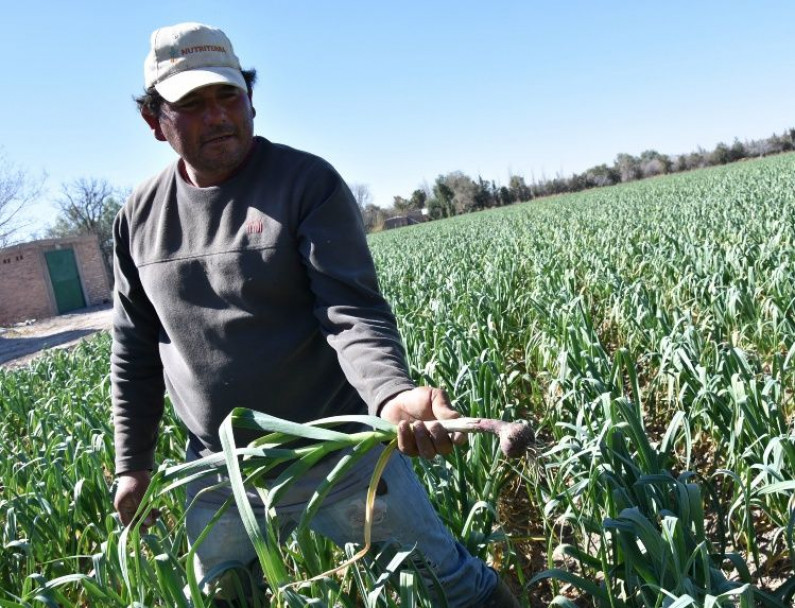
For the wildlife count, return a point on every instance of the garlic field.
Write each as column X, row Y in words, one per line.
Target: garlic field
column 647, row 331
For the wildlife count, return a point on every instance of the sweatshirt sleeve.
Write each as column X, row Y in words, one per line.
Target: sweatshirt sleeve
column 136, row 370
column 354, row 316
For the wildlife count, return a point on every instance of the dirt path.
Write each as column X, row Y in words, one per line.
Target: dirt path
column 22, row 342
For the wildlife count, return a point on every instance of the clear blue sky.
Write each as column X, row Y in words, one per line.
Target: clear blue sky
column 396, row 93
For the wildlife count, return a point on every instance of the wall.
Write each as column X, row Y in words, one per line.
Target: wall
column 25, row 288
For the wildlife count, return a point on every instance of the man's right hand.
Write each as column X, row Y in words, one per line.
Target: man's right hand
column 130, row 491
column 415, row 412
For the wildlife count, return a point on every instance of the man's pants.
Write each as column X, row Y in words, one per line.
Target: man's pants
column 402, row 513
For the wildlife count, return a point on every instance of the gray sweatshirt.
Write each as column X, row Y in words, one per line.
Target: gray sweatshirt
column 257, row 293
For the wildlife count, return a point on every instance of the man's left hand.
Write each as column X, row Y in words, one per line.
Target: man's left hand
column 415, row 412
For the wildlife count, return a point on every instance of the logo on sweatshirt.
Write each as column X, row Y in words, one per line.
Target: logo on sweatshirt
column 254, row 226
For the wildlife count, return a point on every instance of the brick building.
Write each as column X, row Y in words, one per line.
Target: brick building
column 51, row 277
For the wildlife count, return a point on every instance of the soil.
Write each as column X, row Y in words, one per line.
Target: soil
column 22, row 342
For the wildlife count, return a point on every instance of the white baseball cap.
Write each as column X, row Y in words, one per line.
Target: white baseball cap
column 187, row 56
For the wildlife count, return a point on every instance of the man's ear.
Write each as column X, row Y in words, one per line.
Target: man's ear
column 154, row 124
column 251, row 103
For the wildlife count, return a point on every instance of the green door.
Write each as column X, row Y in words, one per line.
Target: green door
column 65, row 280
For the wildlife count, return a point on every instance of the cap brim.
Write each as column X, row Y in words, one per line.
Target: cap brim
column 175, row 88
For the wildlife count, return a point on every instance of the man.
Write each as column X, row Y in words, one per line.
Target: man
column 243, row 279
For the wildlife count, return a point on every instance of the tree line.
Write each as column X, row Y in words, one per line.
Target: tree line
column 88, row 205
column 457, row 193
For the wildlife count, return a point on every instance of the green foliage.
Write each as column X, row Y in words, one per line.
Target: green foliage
column 647, row 330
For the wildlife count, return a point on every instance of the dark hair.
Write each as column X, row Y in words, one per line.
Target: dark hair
column 151, row 100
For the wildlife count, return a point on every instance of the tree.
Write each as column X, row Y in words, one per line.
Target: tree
column 653, row 163
column 679, row 162
column 373, row 217
column 628, row 167
column 485, row 194
column 443, row 195
column 17, row 190
column 400, row 204
column 779, row 143
column 418, row 198
column 458, row 190
column 506, row 198
column 721, row 155
column 696, row 160
column 89, row 206
column 519, row 190
column 737, row 151
column 362, row 194
column 601, row 175
column 759, row 147
column 578, row 182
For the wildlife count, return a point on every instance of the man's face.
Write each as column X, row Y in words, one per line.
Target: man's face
column 210, row 128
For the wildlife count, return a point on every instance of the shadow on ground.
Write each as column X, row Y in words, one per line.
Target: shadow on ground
column 15, row 347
